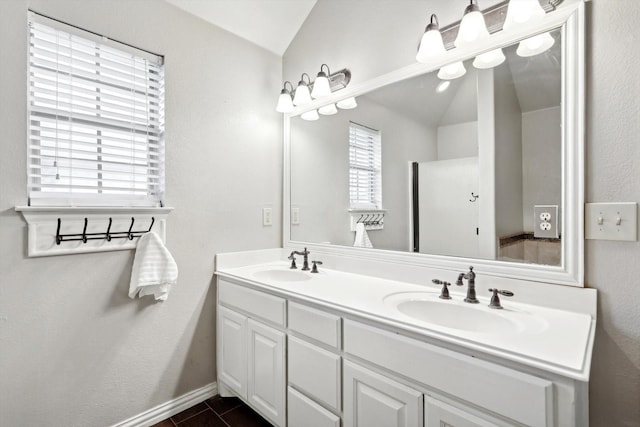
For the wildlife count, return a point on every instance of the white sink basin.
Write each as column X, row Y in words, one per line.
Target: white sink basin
column 461, row 316
column 278, row 275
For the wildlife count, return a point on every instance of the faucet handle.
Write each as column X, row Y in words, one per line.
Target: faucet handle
column 292, row 257
column 314, row 269
column 495, row 299
column 444, row 293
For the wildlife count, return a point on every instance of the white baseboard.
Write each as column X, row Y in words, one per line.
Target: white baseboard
column 170, row 408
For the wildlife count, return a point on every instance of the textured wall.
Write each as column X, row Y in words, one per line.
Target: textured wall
column 74, row 349
column 376, row 36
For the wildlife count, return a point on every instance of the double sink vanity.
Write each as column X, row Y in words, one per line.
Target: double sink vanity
column 366, row 341
column 341, row 348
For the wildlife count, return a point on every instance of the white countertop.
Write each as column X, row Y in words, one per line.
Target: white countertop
column 561, row 342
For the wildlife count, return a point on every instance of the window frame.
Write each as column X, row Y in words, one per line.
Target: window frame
column 372, row 168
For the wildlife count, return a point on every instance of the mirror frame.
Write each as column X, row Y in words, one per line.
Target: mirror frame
column 569, row 16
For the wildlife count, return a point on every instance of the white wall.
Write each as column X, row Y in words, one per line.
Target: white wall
column 74, row 349
column 457, row 141
column 355, row 34
column 541, row 161
column 320, row 173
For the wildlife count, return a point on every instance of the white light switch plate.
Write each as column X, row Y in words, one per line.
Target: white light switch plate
column 295, row 216
column 267, row 216
column 611, row 221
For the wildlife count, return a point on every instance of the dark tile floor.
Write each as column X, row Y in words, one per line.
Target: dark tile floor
column 216, row 412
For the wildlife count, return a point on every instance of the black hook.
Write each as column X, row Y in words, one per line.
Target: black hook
column 108, row 237
column 360, row 219
column 58, row 236
column 84, row 231
column 129, row 235
column 151, row 226
column 475, row 197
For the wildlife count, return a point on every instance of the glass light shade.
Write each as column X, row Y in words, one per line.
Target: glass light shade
column 489, row 59
column 535, row 45
column 302, row 95
column 452, row 71
column 442, row 86
column 431, row 45
column 521, row 12
column 347, row 104
column 321, row 86
column 310, row 115
column 328, row 110
column 472, row 28
column 285, row 104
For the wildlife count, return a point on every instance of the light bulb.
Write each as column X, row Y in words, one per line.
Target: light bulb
column 452, row 71
column 489, row 59
column 472, row 28
column 347, row 104
column 522, row 11
column 328, row 110
column 442, row 86
column 535, row 45
column 310, row 115
column 302, row 95
column 285, row 104
column 431, row 43
column 321, row 86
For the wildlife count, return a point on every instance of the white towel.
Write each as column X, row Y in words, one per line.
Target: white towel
column 362, row 238
column 154, row 269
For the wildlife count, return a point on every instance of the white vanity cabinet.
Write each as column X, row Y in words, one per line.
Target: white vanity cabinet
column 302, row 364
column 251, row 353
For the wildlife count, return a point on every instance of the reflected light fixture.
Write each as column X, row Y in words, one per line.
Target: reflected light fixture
column 490, row 59
column 521, row 12
column 302, row 95
column 442, row 86
column 285, row 103
column 328, row 110
column 321, row 85
column 347, row 104
column 310, row 115
column 452, row 71
column 431, row 43
column 535, row 45
column 472, row 28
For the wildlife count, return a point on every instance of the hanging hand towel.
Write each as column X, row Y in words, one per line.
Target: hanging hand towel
column 362, row 238
column 154, row 269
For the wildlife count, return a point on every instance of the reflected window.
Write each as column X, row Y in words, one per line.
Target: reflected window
column 365, row 167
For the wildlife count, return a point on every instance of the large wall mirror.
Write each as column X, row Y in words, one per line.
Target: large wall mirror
column 486, row 168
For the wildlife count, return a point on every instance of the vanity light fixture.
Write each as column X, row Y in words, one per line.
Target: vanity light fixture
column 310, row 115
column 452, row 71
column 522, row 11
column 431, row 43
column 321, row 84
column 472, row 27
column 490, row 59
column 347, row 104
column 302, row 96
column 328, row 110
column 285, row 103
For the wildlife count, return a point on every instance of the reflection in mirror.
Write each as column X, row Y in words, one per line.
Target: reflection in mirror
column 463, row 168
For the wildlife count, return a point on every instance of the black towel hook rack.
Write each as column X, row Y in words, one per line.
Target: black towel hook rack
column 108, row 235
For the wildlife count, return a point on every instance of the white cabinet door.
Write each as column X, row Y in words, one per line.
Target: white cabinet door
column 232, row 350
column 266, row 382
column 439, row 414
column 372, row 400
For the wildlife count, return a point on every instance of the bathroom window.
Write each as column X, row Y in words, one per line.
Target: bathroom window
column 365, row 167
column 96, row 120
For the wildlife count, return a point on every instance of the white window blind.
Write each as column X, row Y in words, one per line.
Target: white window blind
column 96, row 120
column 365, row 167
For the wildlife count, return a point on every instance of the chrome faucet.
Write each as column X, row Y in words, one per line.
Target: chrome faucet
column 305, row 262
column 471, row 285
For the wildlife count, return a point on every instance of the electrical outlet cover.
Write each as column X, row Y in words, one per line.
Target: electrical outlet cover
column 545, row 221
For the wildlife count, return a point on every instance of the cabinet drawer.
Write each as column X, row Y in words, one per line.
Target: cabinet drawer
column 315, row 371
column 256, row 303
column 315, row 324
column 521, row 397
column 303, row 412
